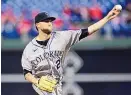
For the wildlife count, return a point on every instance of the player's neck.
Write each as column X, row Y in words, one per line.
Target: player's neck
column 42, row 36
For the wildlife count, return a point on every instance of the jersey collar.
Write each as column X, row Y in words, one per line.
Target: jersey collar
column 34, row 42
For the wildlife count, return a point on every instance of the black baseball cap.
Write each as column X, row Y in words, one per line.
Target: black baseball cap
column 43, row 16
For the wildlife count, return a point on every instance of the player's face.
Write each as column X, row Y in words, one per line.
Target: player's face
column 45, row 26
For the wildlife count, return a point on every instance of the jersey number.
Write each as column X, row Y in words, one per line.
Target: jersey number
column 58, row 64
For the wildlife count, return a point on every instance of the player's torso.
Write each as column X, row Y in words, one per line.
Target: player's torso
column 48, row 59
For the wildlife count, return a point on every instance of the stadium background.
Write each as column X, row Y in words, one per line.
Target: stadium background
column 99, row 65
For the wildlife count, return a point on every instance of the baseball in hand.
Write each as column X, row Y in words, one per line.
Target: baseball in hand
column 118, row 7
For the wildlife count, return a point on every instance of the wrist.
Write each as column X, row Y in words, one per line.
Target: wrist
column 36, row 82
column 106, row 18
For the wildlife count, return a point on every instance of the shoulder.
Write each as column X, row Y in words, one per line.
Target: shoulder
column 28, row 48
column 63, row 33
column 68, row 31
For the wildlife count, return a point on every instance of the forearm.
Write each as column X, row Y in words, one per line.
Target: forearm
column 111, row 15
column 93, row 28
column 29, row 77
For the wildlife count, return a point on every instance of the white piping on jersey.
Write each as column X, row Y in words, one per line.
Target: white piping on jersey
column 51, row 39
column 49, row 50
column 49, row 43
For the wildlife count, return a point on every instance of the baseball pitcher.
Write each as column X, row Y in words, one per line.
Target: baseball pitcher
column 42, row 59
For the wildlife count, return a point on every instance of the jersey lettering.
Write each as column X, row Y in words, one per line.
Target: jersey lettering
column 49, row 56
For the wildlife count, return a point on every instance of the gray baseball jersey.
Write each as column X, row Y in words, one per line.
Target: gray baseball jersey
column 49, row 60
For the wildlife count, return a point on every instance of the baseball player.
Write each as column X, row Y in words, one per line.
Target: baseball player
column 43, row 58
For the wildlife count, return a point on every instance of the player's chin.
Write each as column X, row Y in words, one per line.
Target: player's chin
column 47, row 31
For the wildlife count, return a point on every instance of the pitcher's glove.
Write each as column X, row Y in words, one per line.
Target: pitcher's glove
column 47, row 83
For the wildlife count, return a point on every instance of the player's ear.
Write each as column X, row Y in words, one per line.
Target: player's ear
column 37, row 25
